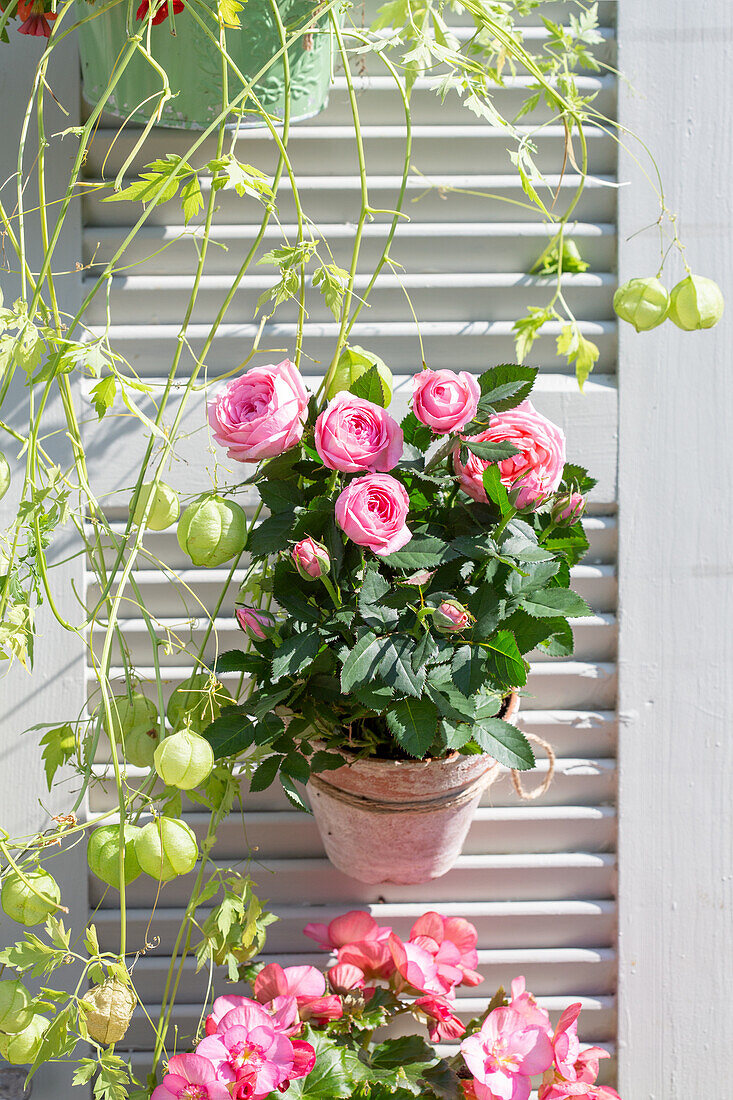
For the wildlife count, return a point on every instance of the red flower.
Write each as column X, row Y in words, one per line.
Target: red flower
column 36, row 21
column 161, row 10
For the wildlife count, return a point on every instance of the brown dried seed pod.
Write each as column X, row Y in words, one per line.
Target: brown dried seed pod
column 112, row 1004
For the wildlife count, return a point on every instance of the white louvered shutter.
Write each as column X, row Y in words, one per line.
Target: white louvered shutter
column 536, row 878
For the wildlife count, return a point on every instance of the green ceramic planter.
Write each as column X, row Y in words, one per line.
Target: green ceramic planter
column 193, row 65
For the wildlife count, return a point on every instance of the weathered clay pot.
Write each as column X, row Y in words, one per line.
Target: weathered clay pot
column 400, row 820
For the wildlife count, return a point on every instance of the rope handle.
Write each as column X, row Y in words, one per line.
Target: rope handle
column 544, row 786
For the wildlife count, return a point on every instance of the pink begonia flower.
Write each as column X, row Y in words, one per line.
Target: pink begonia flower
column 254, row 1062
column 351, row 927
column 253, row 622
column 454, row 940
column 446, row 1027
column 261, row 414
column 372, row 957
column 445, row 401
column 417, row 967
column 354, row 435
column 565, row 1042
column 304, row 1059
column 306, row 984
column 372, row 511
column 525, row 1004
column 541, row 446
column 311, row 559
column 250, row 1014
column 566, row 1090
column 285, row 1017
column 345, row 977
column 191, row 1077
column 505, row 1054
column 587, row 1063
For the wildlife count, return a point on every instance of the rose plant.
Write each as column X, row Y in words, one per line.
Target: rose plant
column 410, row 568
column 321, row 1036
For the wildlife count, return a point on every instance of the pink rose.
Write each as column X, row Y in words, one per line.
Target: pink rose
column 261, row 414
column 568, row 508
column 255, row 623
column 539, row 464
column 527, row 492
column 354, row 435
column 310, row 558
column 372, row 510
column 445, row 401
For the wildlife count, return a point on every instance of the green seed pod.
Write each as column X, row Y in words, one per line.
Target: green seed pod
column 4, row 475
column 21, row 1049
column 644, row 303
column 16, row 1011
column 166, row 848
column 212, row 531
column 164, row 510
column 197, row 701
column 696, row 302
column 22, row 905
column 109, row 1011
column 136, row 727
column 184, row 760
column 103, row 854
column 355, row 361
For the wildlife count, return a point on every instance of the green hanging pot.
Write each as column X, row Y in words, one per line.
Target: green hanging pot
column 193, row 64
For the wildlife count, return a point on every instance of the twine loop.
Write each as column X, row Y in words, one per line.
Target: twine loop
column 544, row 786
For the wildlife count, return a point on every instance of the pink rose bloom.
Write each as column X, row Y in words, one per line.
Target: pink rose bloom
column 445, row 1026
column 191, row 1077
column 372, row 510
column 539, row 464
column 505, row 1054
column 310, row 558
column 354, row 435
column 261, row 414
column 351, row 927
column 253, row 622
column 445, row 401
column 451, row 941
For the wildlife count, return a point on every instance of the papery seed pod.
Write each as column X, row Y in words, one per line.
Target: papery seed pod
column 164, row 510
column 166, row 849
column 643, row 303
column 212, row 531
column 352, row 364
column 197, row 702
column 21, row 1049
column 567, row 509
column 451, row 617
column 110, row 1007
column 21, row 904
column 135, row 725
column 103, row 854
column 16, row 1011
column 4, row 475
column 695, row 303
column 184, row 760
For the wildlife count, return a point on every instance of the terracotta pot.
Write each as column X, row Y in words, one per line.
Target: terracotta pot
column 400, row 821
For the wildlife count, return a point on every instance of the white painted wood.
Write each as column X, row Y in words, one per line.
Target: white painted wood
column 676, row 598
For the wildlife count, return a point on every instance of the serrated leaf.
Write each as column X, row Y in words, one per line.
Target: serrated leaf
column 504, row 657
column 264, row 775
column 421, row 552
column 103, row 395
column 491, row 452
column 362, row 662
column 396, row 665
column 495, row 490
column 231, row 733
column 468, row 666
column 370, row 387
column 294, row 655
column 192, row 200
column 504, row 742
column 555, row 601
column 59, row 745
column 414, row 724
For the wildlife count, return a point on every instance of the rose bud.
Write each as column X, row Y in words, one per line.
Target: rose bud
column 452, row 617
column 696, row 302
column 311, row 559
column 568, row 508
column 526, row 494
column 255, row 623
column 644, row 303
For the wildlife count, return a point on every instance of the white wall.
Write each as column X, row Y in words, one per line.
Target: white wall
column 676, row 564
